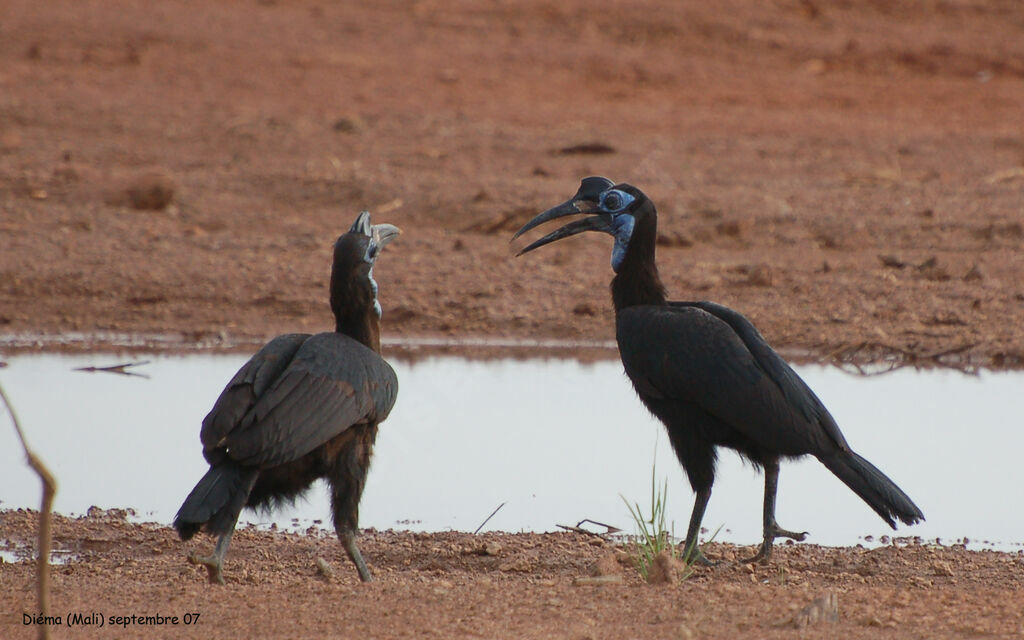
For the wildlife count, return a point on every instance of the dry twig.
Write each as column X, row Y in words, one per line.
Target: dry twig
column 121, row 369
column 609, row 529
column 880, row 359
column 45, row 537
column 488, row 518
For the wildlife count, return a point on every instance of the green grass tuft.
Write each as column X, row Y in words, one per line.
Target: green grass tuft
column 653, row 536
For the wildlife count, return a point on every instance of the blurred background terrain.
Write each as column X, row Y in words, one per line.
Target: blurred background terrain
column 850, row 175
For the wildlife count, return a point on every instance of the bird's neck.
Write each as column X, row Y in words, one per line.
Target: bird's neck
column 642, row 287
column 364, row 328
column 636, row 280
column 355, row 310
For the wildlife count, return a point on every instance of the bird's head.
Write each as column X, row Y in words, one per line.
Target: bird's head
column 615, row 209
column 353, row 289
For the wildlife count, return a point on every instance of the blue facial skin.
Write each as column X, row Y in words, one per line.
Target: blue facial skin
column 623, row 230
column 613, row 201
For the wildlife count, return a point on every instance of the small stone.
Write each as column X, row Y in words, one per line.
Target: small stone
column 323, row 568
column 942, row 569
column 151, row 190
column 731, row 228
column 517, row 565
column 892, row 262
column 596, row 580
column 490, row 549
column 815, row 67
column 974, row 274
column 823, row 609
column 349, row 124
column 606, row 565
column 761, row 275
column 664, row 569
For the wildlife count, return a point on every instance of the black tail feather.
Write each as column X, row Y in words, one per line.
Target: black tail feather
column 216, row 501
column 874, row 488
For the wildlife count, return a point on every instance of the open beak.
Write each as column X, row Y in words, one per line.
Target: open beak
column 599, row 222
column 381, row 234
column 585, row 201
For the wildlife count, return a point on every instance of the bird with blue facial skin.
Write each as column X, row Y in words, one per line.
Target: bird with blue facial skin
column 707, row 373
column 304, row 407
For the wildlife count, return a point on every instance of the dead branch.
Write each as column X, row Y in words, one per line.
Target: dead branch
column 117, row 368
column 488, row 518
column 45, row 534
column 876, row 358
column 609, row 529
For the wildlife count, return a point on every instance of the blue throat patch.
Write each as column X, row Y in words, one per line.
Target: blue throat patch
column 623, row 231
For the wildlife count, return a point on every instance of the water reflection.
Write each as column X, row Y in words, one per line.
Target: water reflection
column 556, row 440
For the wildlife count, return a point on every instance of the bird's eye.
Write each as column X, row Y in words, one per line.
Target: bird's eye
column 612, row 201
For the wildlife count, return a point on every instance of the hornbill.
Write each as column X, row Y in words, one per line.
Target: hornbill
column 707, row 373
column 304, row 407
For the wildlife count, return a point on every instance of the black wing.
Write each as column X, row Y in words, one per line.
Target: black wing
column 331, row 383
column 239, row 396
column 711, row 356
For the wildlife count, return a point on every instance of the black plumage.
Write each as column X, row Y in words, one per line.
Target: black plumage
column 707, row 373
column 304, row 407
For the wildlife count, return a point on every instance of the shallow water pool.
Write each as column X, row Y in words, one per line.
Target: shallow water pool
column 555, row 440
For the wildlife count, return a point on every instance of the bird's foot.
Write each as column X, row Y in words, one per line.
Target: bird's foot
column 696, row 557
column 214, row 566
column 765, row 552
column 699, row 558
column 348, row 540
column 799, row 536
column 364, row 572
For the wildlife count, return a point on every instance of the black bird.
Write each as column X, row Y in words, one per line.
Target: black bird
column 304, row 407
column 706, row 372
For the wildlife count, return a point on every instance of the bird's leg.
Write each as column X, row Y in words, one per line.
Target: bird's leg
column 348, row 540
column 347, row 479
column 691, row 552
column 772, row 529
column 215, row 562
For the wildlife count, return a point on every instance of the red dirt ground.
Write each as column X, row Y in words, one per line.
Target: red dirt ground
column 850, row 175
column 456, row 585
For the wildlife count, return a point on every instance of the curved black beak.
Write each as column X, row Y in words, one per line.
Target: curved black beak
column 585, row 201
column 599, row 222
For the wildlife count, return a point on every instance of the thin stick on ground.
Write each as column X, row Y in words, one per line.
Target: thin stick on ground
column 49, row 491
column 609, row 529
column 488, row 519
column 121, row 369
